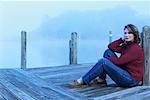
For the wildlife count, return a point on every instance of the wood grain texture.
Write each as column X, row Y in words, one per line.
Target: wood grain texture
column 73, row 48
column 23, row 49
column 18, row 84
column 146, row 46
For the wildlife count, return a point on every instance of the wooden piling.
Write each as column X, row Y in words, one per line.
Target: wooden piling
column 23, row 49
column 73, row 48
column 145, row 44
column 110, row 36
column 70, row 58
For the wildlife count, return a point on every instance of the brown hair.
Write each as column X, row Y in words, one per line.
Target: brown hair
column 132, row 28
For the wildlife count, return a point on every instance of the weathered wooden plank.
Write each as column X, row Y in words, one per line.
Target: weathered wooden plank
column 90, row 88
column 57, row 68
column 87, row 88
column 145, row 98
column 16, row 91
column 138, row 96
column 60, row 91
column 60, row 78
column 21, row 80
column 97, row 89
column 64, row 79
column 124, row 93
column 5, row 94
column 19, row 94
column 62, row 74
column 100, row 92
column 48, row 93
column 62, row 71
column 34, row 90
column 2, row 98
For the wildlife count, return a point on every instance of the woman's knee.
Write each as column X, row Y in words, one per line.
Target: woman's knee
column 103, row 60
column 106, row 53
column 109, row 53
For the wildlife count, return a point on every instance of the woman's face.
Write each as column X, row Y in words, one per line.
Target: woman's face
column 128, row 36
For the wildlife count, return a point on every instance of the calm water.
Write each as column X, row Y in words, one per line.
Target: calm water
column 42, row 53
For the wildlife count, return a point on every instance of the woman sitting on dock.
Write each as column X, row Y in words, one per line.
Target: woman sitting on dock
column 126, row 70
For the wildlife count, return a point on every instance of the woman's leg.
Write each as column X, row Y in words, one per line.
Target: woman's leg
column 118, row 75
column 108, row 53
column 97, row 70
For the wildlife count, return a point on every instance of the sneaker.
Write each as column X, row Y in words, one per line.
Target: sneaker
column 76, row 84
column 98, row 82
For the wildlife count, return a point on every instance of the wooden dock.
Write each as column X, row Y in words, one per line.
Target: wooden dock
column 50, row 83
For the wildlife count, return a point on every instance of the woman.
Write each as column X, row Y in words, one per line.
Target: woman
column 126, row 70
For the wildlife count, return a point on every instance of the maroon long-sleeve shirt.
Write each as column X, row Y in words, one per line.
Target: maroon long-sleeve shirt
column 131, row 59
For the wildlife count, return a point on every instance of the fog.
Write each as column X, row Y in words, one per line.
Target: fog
column 49, row 25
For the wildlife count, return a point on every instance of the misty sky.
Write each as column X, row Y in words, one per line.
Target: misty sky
column 16, row 16
column 36, row 15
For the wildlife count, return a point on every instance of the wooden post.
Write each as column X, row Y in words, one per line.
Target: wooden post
column 70, row 59
column 23, row 50
column 73, row 48
column 110, row 36
column 146, row 45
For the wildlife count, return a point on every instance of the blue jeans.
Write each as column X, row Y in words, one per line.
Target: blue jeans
column 104, row 66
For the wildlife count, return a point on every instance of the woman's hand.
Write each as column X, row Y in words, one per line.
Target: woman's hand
column 123, row 41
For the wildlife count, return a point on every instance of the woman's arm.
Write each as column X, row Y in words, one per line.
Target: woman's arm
column 116, row 45
column 129, row 56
